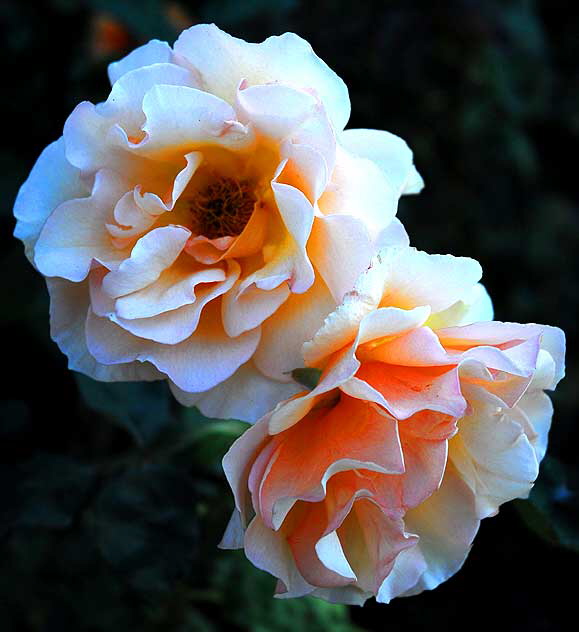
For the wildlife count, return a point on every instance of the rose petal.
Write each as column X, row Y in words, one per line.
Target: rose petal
column 246, row 395
column 446, row 524
column 404, row 391
column 69, row 304
column 298, row 215
column 175, row 288
column 180, row 119
column 413, row 278
column 75, row 234
column 536, row 410
column 292, row 324
column 242, row 311
column 319, row 558
column 52, row 181
column 372, row 542
column 492, row 453
column 389, row 152
column 153, row 52
column 170, row 327
column 329, row 440
column 358, row 187
column 408, row 568
column 275, row 110
column 269, row 551
column 223, row 60
column 152, row 254
column 341, row 250
column 305, row 169
column 216, row 355
column 124, row 104
column 476, row 306
column 355, row 322
column 417, row 347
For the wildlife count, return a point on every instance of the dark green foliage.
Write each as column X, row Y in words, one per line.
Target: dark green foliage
column 552, row 511
column 46, row 492
column 145, row 526
column 132, row 542
column 248, row 595
column 141, row 408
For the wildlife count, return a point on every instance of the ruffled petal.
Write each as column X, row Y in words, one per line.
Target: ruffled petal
column 534, row 411
column 292, row 324
column 152, row 254
column 407, row 570
column 153, row 52
column 124, row 104
column 372, row 541
column 413, row 278
column 349, row 435
column 446, row 524
column 404, row 391
column 417, row 347
column 169, row 112
column 75, row 234
column 247, row 395
column 297, row 214
column 389, row 152
column 176, row 287
column 69, row 304
column 223, row 61
column 274, row 110
column 475, row 306
column 492, row 453
column 169, row 327
column 354, row 323
column 304, row 168
column 269, row 551
column 245, row 310
column 52, row 181
column 340, row 248
column 359, row 187
column 423, row 439
column 216, row 355
column 238, row 462
column 339, row 371
column 319, row 558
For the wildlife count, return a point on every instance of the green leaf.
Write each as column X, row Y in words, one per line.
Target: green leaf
column 145, row 525
column 308, row 377
column 246, row 594
column 141, row 408
column 15, row 417
column 198, row 440
column 209, row 439
column 47, row 491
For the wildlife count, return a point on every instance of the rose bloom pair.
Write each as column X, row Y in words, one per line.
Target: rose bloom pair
column 212, row 224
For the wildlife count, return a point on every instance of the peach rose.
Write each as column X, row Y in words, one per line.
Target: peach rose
column 427, row 417
column 199, row 224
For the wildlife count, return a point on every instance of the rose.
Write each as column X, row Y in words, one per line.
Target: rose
column 427, row 417
column 200, row 224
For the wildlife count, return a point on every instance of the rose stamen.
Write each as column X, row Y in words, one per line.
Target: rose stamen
column 222, row 208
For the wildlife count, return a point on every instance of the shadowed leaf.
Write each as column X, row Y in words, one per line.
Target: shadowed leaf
column 141, row 408
column 307, row 377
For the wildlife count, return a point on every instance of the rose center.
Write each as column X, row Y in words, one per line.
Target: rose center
column 222, row 208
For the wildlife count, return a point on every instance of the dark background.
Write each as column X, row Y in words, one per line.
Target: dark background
column 111, row 497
